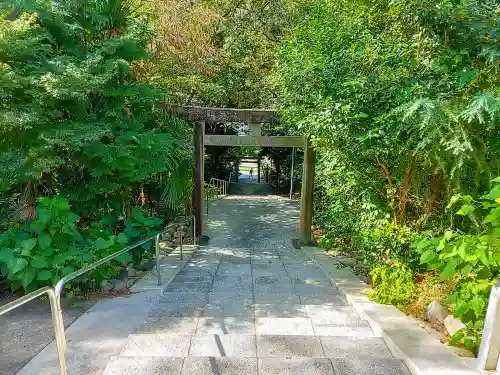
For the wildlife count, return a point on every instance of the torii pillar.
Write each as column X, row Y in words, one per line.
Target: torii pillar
column 306, row 200
column 198, row 191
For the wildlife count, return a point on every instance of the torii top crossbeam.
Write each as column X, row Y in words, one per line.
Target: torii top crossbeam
column 217, row 115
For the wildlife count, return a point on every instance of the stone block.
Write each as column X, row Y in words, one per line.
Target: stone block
column 226, row 326
column 289, row 346
column 219, row 366
column 169, row 325
column 283, row 326
column 143, row 366
column 359, row 347
column 332, row 314
column 188, row 286
column 362, row 330
column 223, row 346
column 295, row 366
column 322, row 299
column 278, row 305
column 157, row 345
column 373, row 366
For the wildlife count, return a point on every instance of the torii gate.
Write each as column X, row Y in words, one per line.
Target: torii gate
column 254, row 118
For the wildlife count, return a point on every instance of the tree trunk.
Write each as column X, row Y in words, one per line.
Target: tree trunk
column 388, row 177
column 405, row 190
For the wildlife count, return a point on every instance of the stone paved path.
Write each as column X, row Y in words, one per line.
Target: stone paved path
column 249, row 303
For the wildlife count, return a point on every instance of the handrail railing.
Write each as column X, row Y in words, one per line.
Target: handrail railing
column 56, row 319
column 221, row 185
column 55, row 292
column 221, row 188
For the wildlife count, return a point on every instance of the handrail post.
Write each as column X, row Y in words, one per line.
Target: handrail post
column 157, row 250
column 59, row 320
column 489, row 352
column 58, row 329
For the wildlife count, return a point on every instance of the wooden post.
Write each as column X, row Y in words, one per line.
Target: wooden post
column 198, row 192
column 291, row 173
column 237, row 170
column 258, row 171
column 306, row 200
column 277, row 174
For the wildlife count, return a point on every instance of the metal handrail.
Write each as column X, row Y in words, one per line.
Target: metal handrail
column 56, row 319
column 222, row 185
column 55, row 292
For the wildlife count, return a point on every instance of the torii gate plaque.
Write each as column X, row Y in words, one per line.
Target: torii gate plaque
column 254, row 118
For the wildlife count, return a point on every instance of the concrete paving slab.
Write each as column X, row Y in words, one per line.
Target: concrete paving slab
column 158, row 345
column 359, row 347
column 278, row 305
column 284, row 326
column 144, row 366
column 270, row 272
column 222, row 297
column 237, row 307
column 277, row 311
column 289, row 346
column 219, row 366
column 188, row 286
column 182, row 297
column 188, row 277
column 179, row 305
column 295, row 366
column 332, row 314
column 277, row 298
column 169, row 325
column 322, row 299
column 312, row 280
column 223, row 346
column 362, row 330
column 226, row 326
column 318, row 290
column 369, row 367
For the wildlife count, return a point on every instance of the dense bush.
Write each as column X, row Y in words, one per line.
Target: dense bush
column 402, row 99
column 78, row 126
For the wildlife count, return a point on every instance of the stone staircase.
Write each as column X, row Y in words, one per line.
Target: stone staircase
column 250, row 189
column 253, row 311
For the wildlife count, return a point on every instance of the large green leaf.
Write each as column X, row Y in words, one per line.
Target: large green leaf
column 44, row 275
column 39, row 262
column 19, row 265
column 29, row 244
column 122, row 239
column 466, row 209
column 27, row 276
column 449, row 270
column 6, row 254
column 124, row 258
column 44, row 240
column 428, row 256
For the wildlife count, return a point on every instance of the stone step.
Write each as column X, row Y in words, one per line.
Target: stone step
column 252, row 366
column 308, row 346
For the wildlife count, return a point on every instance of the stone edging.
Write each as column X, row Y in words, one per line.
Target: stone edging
column 422, row 353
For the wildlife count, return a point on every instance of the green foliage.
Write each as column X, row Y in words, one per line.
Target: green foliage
column 402, row 100
column 43, row 251
column 393, row 284
column 472, row 257
column 75, row 122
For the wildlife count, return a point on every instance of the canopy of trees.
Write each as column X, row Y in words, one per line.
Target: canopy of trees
column 401, row 98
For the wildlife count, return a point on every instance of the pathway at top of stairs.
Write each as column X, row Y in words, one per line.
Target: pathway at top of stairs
column 249, row 303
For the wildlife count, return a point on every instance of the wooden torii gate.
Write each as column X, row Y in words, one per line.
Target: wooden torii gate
column 200, row 116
